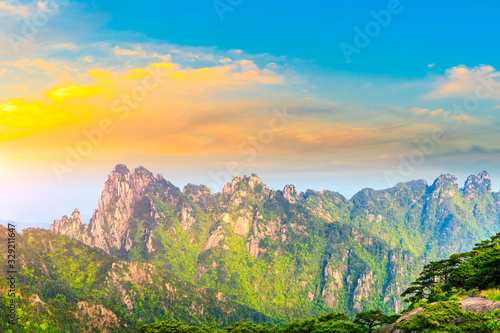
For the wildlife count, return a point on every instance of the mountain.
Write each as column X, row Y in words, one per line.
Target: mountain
column 65, row 285
column 288, row 254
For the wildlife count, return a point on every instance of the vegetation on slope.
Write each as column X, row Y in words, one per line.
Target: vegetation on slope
column 64, row 285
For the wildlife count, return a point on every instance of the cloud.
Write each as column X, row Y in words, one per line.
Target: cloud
column 66, row 46
column 427, row 112
column 82, row 101
column 54, row 68
column 14, row 8
column 445, row 115
column 463, row 81
column 139, row 52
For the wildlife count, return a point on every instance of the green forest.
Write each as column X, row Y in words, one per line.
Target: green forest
column 52, row 302
column 437, row 290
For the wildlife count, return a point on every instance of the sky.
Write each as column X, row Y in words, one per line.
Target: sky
column 331, row 95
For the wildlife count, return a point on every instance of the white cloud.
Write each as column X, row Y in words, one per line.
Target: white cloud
column 66, row 46
column 463, row 81
column 13, row 8
column 139, row 52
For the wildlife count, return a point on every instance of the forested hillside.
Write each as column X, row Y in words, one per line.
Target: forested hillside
column 66, row 286
column 289, row 254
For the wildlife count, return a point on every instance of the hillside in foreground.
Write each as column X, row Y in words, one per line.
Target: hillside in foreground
column 66, row 286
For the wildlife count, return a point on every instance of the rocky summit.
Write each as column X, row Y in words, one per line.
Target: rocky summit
column 284, row 253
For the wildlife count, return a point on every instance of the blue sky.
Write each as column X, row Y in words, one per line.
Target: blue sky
column 445, row 33
column 377, row 92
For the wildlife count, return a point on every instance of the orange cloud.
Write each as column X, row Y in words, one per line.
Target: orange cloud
column 428, row 112
column 160, row 87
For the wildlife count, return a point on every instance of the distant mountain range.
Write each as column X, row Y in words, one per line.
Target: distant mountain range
column 254, row 252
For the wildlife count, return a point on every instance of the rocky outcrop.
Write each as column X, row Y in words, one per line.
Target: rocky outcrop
column 96, row 317
column 479, row 305
column 405, row 317
column 473, row 304
column 125, row 193
column 109, row 225
column 290, row 194
column 366, row 285
column 71, row 226
column 200, row 194
column 477, row 186
column 334, row 280
column 444, row 186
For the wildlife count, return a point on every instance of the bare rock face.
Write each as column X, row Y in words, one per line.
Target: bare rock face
column 495, row 306
column 476, row 304
column 230, row 188
column 476, row 186
column 405, row 317
column 68, row 226
column 94, row 317
column 334, row 280
column 252, row 183
column 366, row 285
column 198, row 193
column 109, row 225
column 444, row 186
column 290, row 194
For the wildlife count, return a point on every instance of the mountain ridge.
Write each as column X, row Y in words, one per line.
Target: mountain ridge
column 329, row 252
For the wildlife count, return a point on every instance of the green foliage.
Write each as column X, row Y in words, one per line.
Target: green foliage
column 493, row 294
column 454, row 277
column 374, row 319
column 65, row 283
column 330, row 323
column 173, row 326
column 449, row 317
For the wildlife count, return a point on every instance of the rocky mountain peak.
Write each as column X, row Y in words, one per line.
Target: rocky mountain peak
column 198, row 193
column 125, row 186
column 230, row 188
column 252, row 182
column 68, row 226
column 290, row 194
column 445, row 180
column 121, row 169
column 444, row 186
column 478, row 185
